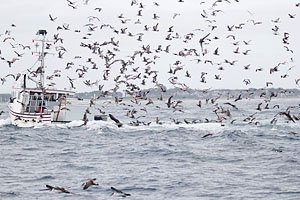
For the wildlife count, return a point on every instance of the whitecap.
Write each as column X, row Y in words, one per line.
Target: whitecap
column 5, row 121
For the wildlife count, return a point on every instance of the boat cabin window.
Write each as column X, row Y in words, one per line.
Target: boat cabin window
column 40, row 102
column 37, row 103
column 52, row 97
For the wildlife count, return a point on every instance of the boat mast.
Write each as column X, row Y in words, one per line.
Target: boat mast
column 42, row 57
column 43, row 61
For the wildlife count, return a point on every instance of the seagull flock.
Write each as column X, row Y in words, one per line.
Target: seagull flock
column 145, row 49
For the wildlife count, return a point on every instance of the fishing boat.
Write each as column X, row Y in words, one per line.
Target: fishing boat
column 32, row 102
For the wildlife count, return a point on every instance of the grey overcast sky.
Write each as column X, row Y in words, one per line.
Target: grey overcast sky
column 251, row 43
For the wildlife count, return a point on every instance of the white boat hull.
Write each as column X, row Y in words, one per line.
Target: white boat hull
column 21, row 118
column 29, row 119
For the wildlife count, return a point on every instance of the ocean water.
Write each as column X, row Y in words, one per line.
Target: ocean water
column 188, row 156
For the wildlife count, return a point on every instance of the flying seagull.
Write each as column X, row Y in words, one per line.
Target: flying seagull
column 201, row 41
column 89, row 183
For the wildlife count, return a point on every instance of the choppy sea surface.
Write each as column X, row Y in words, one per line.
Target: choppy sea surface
column 183, row 157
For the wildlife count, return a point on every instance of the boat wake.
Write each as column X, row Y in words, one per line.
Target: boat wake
column 98, row 125
column 4, row 122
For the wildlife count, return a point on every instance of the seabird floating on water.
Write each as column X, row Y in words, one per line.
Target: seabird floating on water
column 118, row 192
